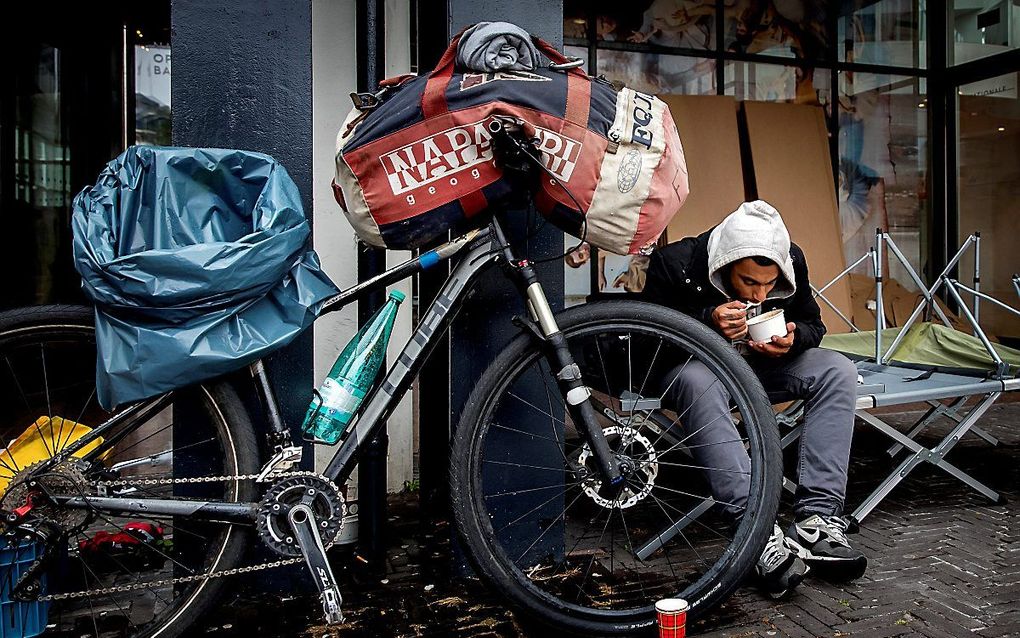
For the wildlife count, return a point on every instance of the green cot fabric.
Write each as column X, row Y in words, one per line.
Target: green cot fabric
column 927, row 344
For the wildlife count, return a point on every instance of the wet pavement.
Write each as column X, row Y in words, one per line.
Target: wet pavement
column 943, row 562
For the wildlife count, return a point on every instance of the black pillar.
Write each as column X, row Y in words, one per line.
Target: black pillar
column 243, row 79
column 371, row 54
column 483, row 327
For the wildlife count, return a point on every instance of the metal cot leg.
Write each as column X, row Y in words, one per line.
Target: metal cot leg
column 935, row 456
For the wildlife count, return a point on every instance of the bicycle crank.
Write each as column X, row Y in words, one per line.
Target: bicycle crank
column 306, row 532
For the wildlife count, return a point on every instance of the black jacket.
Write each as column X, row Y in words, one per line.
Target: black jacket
column 678, row 278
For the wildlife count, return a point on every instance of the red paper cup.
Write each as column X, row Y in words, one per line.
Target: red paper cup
column 672, row 614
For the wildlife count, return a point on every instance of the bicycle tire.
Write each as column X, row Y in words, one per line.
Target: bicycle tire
column 473, row 522
column 73, row 327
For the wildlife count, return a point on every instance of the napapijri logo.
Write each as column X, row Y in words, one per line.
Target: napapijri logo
column 472, row 80
column 559, row 153
column 441, row 155
column 641, row 113
column 630, row 170
column 446, row 154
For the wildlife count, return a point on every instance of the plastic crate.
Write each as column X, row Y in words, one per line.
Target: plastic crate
column 17, row 619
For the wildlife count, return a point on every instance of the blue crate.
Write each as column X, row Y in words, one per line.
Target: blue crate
column 17, row 619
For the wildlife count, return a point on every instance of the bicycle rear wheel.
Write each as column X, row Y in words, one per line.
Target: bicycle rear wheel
column 118, row 570
column 527, row 500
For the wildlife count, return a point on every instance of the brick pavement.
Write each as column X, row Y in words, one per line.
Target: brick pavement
column 943, row 562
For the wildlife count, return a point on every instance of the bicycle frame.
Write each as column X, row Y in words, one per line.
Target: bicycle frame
column 485, row 248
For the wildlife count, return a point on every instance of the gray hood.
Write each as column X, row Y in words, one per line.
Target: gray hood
column 754, row 230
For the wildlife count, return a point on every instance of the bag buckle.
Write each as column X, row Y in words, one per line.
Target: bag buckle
column 571, row 63
column 367, row 101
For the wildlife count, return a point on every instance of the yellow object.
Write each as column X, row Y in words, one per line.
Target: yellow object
column 40, row 441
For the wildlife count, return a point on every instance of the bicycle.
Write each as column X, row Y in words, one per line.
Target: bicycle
column 572, row 490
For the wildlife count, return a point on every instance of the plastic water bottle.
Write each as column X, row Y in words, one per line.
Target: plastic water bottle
column 352, row 376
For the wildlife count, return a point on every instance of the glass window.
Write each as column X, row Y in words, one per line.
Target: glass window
column 654, row 73
column 989, row 187
column 983, row 28
column 575, row 19
column 41, row 171
column 776, row 83
column 673, row 23
column 152, row 95
column 883, row 165
column 784, row 29
column 888, row 32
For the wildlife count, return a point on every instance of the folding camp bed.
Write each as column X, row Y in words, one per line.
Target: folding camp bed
column 928, row 372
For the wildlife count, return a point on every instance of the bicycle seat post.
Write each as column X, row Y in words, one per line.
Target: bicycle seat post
column 568, row 375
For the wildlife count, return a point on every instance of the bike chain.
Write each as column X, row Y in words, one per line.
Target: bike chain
column 196, row 577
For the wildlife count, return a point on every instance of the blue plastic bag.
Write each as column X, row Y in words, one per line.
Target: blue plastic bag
column 197, row 262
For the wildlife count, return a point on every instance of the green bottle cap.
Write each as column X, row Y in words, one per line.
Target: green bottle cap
column 399, row 296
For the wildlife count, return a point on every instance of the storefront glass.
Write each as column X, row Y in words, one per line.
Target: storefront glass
column 883, row 165
column 152, row 94
column 981, row 29
column 37, row 207
column 659, row 73
column 783, row 29
column 887, row 32
column 776, row 83
column 988, row 148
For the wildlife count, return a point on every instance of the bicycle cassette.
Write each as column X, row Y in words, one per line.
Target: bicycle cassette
column 318, row 493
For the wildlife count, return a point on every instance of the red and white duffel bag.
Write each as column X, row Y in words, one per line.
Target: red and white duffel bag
column 420, row 162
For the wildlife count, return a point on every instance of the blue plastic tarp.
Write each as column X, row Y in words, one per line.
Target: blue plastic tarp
column 198, row 263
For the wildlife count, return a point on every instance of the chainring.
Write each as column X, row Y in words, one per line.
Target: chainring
column 320, row 494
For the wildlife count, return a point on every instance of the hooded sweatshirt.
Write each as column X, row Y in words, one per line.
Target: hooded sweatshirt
column 688, row 275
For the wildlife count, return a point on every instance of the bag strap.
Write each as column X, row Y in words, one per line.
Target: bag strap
column 433, row 99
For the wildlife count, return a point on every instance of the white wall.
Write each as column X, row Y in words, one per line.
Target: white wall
column 334, row 77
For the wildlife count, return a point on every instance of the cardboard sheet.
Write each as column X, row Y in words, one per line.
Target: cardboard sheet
column 708, row 131
column 793, row 172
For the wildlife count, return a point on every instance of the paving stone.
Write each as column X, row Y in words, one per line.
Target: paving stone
column 943, row 562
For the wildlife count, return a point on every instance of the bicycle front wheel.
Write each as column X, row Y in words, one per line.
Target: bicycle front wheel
column 116, row 575
column 527, row 498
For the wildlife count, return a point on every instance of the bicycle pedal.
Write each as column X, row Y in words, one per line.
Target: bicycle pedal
column 284, row 459
column 306, row 532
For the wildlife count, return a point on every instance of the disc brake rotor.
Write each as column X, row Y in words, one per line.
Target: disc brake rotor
column 632, row 448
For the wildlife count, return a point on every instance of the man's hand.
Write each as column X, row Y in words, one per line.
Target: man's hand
column 731, row 319
column 777, row 346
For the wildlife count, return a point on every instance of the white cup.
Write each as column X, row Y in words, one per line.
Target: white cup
column 765, row 326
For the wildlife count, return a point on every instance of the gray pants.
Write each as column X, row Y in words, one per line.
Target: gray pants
column 826, row 380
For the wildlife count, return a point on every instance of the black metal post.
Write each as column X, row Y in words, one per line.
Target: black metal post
column 434, row 381
column 371, row 55
column 942, row 157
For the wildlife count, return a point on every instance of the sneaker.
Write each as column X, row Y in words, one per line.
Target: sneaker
column 779, row 568
column 821, row 542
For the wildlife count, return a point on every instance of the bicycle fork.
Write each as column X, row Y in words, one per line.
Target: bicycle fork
column 568, row 377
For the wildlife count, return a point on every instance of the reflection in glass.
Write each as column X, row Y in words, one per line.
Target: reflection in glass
column 776, row 83
column 981, row 29
column 42, row 165
column 791, row 28
column 989, row 187
column 888, row 32
column 883, row 162
column 654, row 73
column 575, row 19
column 674, row 23
column 152, row 95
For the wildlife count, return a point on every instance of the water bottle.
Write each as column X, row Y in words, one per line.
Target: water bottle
column 352, row 376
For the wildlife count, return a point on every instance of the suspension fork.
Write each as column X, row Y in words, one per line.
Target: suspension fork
column 568, row 376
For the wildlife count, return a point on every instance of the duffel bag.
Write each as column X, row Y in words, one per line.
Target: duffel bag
column 419, row 161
